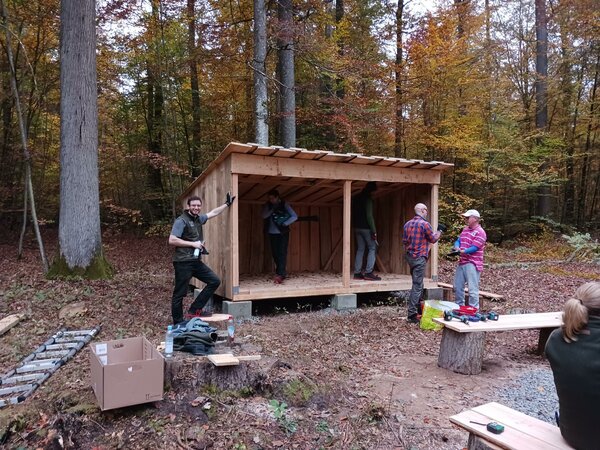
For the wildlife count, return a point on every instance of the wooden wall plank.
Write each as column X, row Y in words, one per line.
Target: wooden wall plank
column 294, row 257
column 325, row 235
column 337, row 230
column 314, row 241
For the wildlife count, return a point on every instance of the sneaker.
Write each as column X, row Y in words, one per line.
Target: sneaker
column 359, row 276
column 371, row 276
column 412, row 319
column 198, row 313
column 278, row 279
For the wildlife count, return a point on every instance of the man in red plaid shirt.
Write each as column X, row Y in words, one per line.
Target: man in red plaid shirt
column 417, row 236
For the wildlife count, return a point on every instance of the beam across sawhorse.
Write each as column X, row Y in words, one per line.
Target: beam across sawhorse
column 19, row 383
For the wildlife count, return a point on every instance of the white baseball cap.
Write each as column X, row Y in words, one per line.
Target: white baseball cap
column 472, row 213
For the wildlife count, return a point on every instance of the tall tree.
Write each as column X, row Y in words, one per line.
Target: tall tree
column 194, row 152
column 80, row 239
column 155, row 112
column 261, row 116
column 285, row 44
column 29, row 198
column 399, row 72
column 541, row 95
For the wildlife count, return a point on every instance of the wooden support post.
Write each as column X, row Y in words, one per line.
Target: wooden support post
column 478, row 443
column 462, row 352
column 234, row 256
column 543, row 338
column 433, row 207
column 346, row 234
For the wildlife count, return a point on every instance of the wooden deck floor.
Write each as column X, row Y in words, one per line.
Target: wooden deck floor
column 306, row 284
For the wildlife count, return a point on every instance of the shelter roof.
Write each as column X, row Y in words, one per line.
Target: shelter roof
column 316, row 155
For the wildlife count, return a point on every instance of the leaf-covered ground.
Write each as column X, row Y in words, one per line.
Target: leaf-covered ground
column 354, row 380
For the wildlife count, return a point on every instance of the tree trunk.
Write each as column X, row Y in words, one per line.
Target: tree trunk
column 261, row 113
column 340, row 88
column 581, row 206
column 28, row 194
column 541, row 95
column 478, row 443
column 285, row 44
column 194, row 156
column 462, row 352
column 399, row 134
column 462, row 11
column 155, row 124
column 79, row 227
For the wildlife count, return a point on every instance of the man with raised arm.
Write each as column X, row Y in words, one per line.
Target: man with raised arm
column 188, row 239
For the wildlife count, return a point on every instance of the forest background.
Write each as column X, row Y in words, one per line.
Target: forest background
column 459, row 83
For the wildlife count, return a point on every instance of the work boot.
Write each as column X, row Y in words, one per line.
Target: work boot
column 278, row 279
column 370, row 276
column 359, row 276
column 412, row 319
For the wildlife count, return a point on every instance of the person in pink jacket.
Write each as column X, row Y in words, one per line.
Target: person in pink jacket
column 470, row 246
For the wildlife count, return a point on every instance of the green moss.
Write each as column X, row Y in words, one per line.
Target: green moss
column 99, row 269
column 299, row 392
column 83, row 409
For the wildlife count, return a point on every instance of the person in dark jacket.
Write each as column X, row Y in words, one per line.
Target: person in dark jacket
column 278, row 216
column 574, row 355
column 188, row 239
column 365, row 233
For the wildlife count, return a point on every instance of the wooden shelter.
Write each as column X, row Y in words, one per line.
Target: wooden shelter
column 321, row 251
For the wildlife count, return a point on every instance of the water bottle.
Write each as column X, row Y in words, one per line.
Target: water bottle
column 169, row 342
column 230, row 330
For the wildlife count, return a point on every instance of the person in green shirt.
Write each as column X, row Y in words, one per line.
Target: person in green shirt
column 365, row 233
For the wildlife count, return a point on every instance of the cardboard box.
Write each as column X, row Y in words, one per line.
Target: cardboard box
column 126, row 372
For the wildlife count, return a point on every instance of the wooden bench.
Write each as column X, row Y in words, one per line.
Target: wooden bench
column 521, row 432
column 462, row 345
column 449, row 294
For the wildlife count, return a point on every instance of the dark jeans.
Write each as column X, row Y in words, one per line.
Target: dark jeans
column 184, row 271
column 417, row 271
column 279, row 248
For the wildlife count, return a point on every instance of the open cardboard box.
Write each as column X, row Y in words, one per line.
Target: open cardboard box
column 126, row 372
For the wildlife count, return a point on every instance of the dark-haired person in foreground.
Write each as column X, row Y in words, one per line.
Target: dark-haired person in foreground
column 574, row 355
column 188, row 239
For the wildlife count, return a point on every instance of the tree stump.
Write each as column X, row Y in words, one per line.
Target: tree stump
column 544, row 335
column 230, row 378
column 186, row 370
column 462, row 352
column 478, row 443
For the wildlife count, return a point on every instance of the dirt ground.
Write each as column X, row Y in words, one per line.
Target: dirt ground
column 363, row 379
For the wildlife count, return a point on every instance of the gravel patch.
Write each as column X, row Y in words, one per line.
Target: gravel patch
column 532, row 393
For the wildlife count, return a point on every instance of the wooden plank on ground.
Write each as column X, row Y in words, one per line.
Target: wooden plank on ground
column 225, row 359
column 10, row 321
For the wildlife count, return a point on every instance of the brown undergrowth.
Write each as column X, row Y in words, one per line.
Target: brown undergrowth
column 363, row 379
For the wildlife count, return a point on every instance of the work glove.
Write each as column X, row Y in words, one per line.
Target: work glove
column 442, row 227
column 229, row 199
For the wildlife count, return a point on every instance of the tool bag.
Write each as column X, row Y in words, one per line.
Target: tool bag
column 433, row 309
